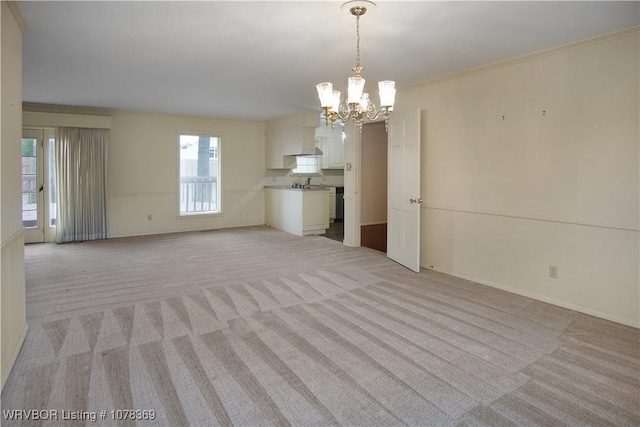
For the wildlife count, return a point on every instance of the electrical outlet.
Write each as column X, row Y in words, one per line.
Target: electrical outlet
column 553, row 271
column 149, row 217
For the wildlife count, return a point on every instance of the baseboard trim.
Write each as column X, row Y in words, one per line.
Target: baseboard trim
column 154, row 233
column 6, row 370
column 542, row 298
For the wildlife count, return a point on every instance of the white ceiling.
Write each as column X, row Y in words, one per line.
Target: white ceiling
column 259, row 60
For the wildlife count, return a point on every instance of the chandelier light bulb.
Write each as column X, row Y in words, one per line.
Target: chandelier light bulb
column 356, row 86
column 325, row 93
column 387, row 90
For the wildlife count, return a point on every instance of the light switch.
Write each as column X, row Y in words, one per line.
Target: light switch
column 348, row 166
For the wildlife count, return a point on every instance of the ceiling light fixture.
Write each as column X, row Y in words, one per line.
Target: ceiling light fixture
column 358, row 106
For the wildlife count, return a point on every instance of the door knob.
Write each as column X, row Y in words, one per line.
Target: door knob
column 418, row 201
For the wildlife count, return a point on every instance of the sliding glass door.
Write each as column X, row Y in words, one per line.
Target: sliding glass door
column 38, row 185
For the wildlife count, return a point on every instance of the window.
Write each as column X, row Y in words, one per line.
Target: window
column 213, row 152
column 30, row 182
column 306, row 165
column 53, row 206
column 199, row 174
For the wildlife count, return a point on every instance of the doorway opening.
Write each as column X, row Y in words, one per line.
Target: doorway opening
column 373, row 190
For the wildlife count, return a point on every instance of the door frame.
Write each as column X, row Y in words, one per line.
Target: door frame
column 352, row 183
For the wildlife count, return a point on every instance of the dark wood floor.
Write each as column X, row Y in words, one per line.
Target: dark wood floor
column 335, row 231
column 374, row 236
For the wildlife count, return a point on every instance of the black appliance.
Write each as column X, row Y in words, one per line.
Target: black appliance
column 339, row 204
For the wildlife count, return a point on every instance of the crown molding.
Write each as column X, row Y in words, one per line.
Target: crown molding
column 635, row 30
column 59, row 119
column 15, row 8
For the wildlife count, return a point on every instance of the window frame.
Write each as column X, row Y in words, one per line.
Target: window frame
column 297, row 170
column 219, row 198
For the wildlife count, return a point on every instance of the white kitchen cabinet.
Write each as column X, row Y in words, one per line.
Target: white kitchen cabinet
column 290, row 136
column 332, row 204
column 297, row 211
column 329, row 141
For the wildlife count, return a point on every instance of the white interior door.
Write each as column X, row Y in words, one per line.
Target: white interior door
column 403, row 205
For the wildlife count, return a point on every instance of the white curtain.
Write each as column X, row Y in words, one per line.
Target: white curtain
column 81, row 180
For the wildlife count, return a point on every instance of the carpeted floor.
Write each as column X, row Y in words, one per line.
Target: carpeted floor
column 255, row 327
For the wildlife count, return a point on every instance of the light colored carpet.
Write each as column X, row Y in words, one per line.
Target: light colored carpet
column 255, row 327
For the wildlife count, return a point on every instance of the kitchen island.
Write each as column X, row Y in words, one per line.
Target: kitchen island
column 299, row 211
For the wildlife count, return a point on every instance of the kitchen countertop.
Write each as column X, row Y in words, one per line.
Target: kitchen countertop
column 288, row 187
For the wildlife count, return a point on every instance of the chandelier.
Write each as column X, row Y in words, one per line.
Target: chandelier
column 357, row 106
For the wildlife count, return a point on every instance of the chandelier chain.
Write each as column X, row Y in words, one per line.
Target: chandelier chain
column 358, row 45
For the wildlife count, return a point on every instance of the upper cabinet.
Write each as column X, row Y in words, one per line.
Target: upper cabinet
column 290, row 136
column 330, row 142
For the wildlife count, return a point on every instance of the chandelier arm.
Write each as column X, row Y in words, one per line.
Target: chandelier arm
column 334, row 115
column 372, row 111
column 387, row 115
column 358, row 116
column 344, row 112
column 327, row 116
column 344, row 117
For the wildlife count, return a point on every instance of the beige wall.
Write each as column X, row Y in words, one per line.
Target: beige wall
column 556, row 182
column 143, row 170
column 12, row 285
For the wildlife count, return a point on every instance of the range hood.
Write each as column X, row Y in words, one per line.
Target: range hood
column 318, row 152
column 290, row 136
